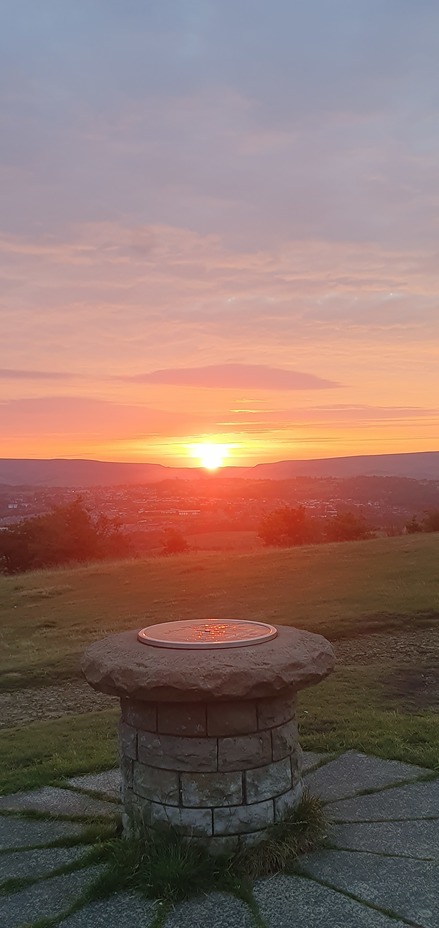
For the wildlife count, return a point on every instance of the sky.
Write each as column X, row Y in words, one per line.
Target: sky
column 219, row 223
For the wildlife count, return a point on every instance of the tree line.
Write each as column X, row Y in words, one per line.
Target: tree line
column 288, row 526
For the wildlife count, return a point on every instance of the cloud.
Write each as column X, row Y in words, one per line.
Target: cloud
column 10, row 374
column 238, row 376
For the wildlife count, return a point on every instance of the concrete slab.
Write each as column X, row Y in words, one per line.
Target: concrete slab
column 417, row 800
column 311, row 760
column 408, row 888
column 353, row 772
column 108, row 783
column 56, row 801
column 37, row 863
column 123, row 909
column 408, row 839
column 45, row 899
column 16, row 832
column 295, row 902
column 218, row 910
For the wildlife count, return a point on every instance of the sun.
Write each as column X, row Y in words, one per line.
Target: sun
column 210, row 455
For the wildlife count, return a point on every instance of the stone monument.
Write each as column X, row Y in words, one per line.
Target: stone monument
column 208, row 733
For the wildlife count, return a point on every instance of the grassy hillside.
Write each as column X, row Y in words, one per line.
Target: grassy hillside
column 339, row 590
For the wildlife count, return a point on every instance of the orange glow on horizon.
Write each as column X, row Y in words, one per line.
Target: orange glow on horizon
column 210, row 454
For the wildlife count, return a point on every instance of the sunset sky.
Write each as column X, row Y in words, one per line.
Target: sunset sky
column 219, row 223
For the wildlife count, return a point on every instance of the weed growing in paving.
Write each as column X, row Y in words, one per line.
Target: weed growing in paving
column 172, row 869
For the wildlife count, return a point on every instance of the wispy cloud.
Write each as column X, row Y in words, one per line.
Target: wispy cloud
column 238, row 376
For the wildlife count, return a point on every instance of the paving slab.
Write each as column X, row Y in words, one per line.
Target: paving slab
column 218, row 910
column 56, row 801
column 417, row 800
column 407, row 839
column 16, row 832
column 295, row 902
column 108, row 783
column 37, row 863
column 45, row 899
column 311, row 759
column 408, row 888
column 353, row 772
column 124, row 910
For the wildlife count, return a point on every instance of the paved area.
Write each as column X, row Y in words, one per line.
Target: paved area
column 379, row 868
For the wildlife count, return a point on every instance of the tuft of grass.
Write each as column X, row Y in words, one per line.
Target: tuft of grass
column 300, row 832
column 172, row 869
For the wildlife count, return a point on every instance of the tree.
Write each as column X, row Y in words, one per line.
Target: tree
column 413, row 526
column 67, row 533
column 346, row 526
column 174, row 543
column 286, row 527
column 431, row 521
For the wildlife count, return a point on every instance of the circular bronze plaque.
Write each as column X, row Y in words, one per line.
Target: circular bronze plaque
column 207, row 633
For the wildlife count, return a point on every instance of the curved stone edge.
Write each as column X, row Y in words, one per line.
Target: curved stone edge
column 122, row 666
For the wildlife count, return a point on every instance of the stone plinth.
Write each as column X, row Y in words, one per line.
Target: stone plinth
column 208, row 739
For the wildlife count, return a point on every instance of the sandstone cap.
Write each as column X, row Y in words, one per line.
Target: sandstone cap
column 120, row 665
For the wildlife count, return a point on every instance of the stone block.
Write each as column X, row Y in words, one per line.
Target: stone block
column 141, row 715
column 211, row 789
column 284, row 739
column 185, row 821
column 171, row 752
column 243, row 819
column 127, row 741
column 276, row 710
column 182, row 718
column 157, row 785
column 287, row 802
column 266, row 782
column 244, row 751
column 232, row 718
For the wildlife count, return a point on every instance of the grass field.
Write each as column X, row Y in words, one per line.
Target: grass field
column 344, row 591
column 339, row 590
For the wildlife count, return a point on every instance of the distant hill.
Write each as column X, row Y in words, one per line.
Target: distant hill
column 78, row 473
column 422, row 465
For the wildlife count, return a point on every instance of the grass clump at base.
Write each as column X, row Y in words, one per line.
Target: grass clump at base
column 171, row 869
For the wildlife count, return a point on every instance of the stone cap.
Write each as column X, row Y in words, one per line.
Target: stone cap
column 122, row 666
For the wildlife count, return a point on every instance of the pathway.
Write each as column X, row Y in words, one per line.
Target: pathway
column 380, row 868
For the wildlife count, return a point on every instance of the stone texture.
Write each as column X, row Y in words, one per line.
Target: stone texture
column 18, row 832
column 217, row 911
column 295, row 902
column 186, row 821
column 211, row 789
column 277, row 710
column 127, row 740
column 241, row 819
column 287, row 802
column 244, row 751
column 284, row 739
column 107, row 783
column 417, row 800
column 232, row 718
column 45, row 899
column 155, row 784
column 352, row 772
column 172, row 752
column 182, row 718
column 37, row 863
column 122, row 666
column 410, row 839
column 124, row 910
column 266, row 782
column 141, row 715
column 127, row 771
column 56, row 801
column 406, row 887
